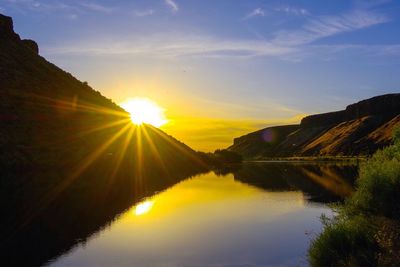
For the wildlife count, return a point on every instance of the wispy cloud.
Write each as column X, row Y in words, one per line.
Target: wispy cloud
column 72, row 16
column 293, row 10
column 168, row 45
column 325, row 26
column 51, row 6
column 172, row 5
column 258, row 12
column 377, row 50
column 97, row 7
column 33, row 5
column 294, row 45
column 174, row 46
column 365, row 4
column 144, row 13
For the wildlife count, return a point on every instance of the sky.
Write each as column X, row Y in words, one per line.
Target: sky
column 221, row 68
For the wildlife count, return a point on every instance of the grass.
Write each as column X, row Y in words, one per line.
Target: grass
column 358, row 235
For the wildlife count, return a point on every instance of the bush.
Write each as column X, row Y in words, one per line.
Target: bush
column 396, row 135
column 378, row 191
column 344, row 243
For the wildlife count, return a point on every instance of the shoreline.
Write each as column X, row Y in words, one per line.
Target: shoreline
column 306, row 159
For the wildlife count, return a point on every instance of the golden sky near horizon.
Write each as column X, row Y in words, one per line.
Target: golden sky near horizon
column 208, row 134
column 200, row 133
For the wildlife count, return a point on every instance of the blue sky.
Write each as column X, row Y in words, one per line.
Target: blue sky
column 263, row 62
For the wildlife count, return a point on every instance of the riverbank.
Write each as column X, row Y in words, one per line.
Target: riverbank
column 366, row 230
column 316, row 159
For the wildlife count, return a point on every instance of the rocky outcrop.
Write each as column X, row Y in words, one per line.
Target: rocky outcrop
column 360, row 129
column 384, row 105
column 7, row 33
column 32, row 45
column 7, row 28
column 323, row 119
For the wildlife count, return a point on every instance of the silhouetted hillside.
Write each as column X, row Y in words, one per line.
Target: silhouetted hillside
column 49, row 116
column 360, row 129
column 71, row 159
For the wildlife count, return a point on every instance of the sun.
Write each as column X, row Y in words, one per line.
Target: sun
column 144, row 110
column 143, row 207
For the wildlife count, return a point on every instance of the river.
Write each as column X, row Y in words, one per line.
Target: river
column 258, row 214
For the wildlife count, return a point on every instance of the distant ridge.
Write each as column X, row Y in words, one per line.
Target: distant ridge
column 360, row 129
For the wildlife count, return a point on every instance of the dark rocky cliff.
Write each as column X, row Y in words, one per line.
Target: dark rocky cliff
column 323, row 119
column 360, row 129
column 7, row 32
column 7, row 27
column 384, row 105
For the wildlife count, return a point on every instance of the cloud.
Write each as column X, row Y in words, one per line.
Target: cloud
column 51, row 6
column 293, row 10
column 258, row 12
column 325, row 26
column 72, row 16
column 177, row 45
column 144, row 13
column 391, row 50
column 331, row 52
column 97, row 7
column 184, row 45
column 294, row 45
column 173, row 5
column 365, row 4
column 33, row 5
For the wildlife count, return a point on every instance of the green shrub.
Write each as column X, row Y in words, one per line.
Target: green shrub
column 396, row 135
column 378, row 186
column 344, row 243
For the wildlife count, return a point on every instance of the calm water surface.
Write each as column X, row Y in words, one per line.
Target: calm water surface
column 260, row 215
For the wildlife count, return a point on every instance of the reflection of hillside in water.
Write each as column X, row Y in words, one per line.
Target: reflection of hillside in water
column 31, row 237
column 320, row 182
column 48, row 210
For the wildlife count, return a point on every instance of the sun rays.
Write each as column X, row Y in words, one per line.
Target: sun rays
column 110, row 141
column 117, row 143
